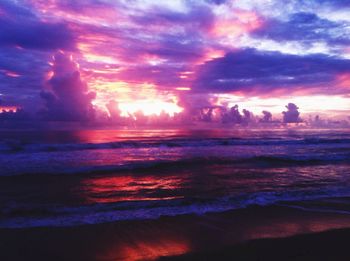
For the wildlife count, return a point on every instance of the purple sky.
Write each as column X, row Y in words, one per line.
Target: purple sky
column 62, row 57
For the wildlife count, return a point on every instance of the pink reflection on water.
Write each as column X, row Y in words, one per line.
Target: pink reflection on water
column 97, row 136
column 148, row 250
column 126, row 188
column 117, row 135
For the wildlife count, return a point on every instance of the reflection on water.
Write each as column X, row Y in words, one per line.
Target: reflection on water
column 204, row 181
column 152, row 249
column 122, row 188
column 102, row 136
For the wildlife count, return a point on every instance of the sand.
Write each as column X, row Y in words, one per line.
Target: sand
column 255, row 233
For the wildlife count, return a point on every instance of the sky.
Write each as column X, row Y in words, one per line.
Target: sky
column 73, row 60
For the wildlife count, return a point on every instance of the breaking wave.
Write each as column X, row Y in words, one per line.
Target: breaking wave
column 140, row 210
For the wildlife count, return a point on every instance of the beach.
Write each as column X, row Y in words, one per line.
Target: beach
column 330, row 245
column 255, row 233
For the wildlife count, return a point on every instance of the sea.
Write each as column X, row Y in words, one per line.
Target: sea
column 77, row 177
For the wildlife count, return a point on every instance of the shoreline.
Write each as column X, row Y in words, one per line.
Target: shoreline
column 180, row 237
column 326, row 245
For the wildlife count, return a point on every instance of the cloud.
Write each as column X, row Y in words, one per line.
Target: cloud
column 250, row 71
column 304, row 27
column 199, row 17
column 292, row 114
column 234, row 115
column 189, row 49
column 333, row 3
column 267, row 116
column 10, row 8
column 36, row 35
column 218, row 2
column 69, row 98
column 113, row 110
column 22, row 28
column 223, row 114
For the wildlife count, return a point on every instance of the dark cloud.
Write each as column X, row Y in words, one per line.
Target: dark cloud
column 224, row 114
column 22, row 73
column 68, row 99
column 249, row 70
column 292, row 114
column 234, row 115
column 36, row 35
column 267, row 116
column 20, row 27
column 178, row 48
column 247, row 116
column 26, row 44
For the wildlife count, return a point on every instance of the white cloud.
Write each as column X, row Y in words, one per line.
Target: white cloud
column 287, row 47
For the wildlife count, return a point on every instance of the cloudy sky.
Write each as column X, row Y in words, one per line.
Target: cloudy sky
column 173, row 55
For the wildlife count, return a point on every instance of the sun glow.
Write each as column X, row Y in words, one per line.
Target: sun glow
column 148, row 108
column 133, row 100
column 8, row 109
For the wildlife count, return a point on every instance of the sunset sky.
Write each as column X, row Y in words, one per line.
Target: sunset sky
column 175, row 55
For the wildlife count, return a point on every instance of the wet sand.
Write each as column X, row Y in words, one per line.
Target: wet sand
column 255, row 233
column 330, row 245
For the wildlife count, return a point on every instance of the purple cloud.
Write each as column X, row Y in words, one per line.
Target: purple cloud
column 69, row 98
column 259, row 72
column 304, row 27
column 292, row 114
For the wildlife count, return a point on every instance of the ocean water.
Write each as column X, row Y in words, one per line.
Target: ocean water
column 69, row 178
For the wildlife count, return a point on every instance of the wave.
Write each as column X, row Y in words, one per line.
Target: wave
column 13, row 146
column 141, row 210
column 236, row 161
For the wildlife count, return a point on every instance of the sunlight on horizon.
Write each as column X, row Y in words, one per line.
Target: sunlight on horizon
column 307, row 104
column 148, row 108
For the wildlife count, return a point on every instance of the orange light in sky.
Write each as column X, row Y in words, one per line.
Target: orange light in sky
column 306, row 103
column 183, row 88
column 134, row 98
column 213, row 54
column 344, row 80
column 8, row 108
column 149, row 108
column 243, row 22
